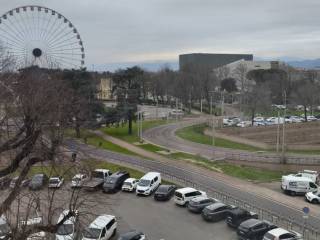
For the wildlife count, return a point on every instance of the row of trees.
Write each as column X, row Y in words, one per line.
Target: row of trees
column 255, row 90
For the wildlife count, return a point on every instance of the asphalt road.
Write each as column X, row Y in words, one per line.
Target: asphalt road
column 204, row 182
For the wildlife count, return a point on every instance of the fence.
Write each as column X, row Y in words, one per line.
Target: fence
column 309, row 232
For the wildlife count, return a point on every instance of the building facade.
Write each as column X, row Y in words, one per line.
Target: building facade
column 210, row 61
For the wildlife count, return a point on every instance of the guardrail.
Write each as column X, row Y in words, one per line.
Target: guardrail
column 184, row 179
column 309, row 233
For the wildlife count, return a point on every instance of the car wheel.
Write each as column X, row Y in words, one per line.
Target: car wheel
column 293, row 193
column 314, row 201
column 186, row 204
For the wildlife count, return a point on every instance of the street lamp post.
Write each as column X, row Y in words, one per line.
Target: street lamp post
column 212, row 123
column 284, row 125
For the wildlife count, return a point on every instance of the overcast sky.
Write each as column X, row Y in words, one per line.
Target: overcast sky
column 148, row 30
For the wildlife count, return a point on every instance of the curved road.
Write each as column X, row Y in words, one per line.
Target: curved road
column 164, row 136
column 187, row 176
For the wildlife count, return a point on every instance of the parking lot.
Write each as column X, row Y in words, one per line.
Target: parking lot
column 158, row 220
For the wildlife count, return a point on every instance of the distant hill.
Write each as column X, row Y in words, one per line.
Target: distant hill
column 149, row 66
column 309, row 64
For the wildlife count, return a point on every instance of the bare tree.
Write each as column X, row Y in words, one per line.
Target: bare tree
column 257, row 99
column 34, row 112
column 241, row 74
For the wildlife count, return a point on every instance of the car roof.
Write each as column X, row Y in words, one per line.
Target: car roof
column 101, row 170
column 131, row 234
column 79, row 175
column 57, row 177
column 186, row 190
column 278, row 232
column 150, row 175
column 130, row 180
column 70, row 220
column 198, row 199
column 216, row 205
column 251, row 222
column 3, row 220
column 165, row 186
column 101, row 221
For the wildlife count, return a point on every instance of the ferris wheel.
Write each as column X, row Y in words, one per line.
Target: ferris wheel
column 39, row 36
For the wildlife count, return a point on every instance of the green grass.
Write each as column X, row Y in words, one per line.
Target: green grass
column 195, row 134
column 151, row 148
column 242, row 172
column 97, row 141
column 121, row 132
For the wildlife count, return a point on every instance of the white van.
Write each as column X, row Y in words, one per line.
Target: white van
column 148, row 183
column 297, row 185
column 182, row 196
column 313, row 175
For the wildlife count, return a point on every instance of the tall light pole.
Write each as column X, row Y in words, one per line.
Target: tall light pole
column 284, row 125
column 278, row 132
column 212, row 123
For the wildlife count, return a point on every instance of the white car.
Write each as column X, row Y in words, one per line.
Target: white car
column 55, row 182
column 280, row 233
column 258, row 119
column 67, row 230
column 130, row 185
column 313, row 197
column 182, row 196
column 311, row 118
column 102, row 228
column 244, row 124
column 78, row 180
column 296, row 119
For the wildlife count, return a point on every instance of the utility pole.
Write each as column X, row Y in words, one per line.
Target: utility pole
column 176, row 110
column 284, row 125
column 212, row 124
column 157, row 102
column 141, row 119
column 222, row 105
column 278, row 132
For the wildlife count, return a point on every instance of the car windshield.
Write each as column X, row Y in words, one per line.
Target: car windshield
column 97, row 174
column 162, row 189
column 93, row 233
column 127, row 184
column 111, row 180
column 65, row 229
column 37, row 179
column 54, row 180
column 144, row 183
column 4, row 229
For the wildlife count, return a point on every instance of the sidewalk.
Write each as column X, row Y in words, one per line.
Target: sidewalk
column 296, row 203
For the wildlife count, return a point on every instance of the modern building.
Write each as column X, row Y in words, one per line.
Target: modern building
column 210, row 60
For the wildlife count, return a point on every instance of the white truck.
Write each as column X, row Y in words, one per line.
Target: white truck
column 98, row 176
column 313, row 175
column 297, row 185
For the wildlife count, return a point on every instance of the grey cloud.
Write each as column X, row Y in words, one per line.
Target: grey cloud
column 130, row 30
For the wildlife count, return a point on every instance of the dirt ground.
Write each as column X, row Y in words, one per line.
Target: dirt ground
column 297, row 134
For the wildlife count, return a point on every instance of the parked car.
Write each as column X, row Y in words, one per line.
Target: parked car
column 244, row 124
column 182, row 196
column 197, row 204
column 4, row 182
column 98, row 177
column 237, row 216
column 164, row 192
column 4, row 228
column 133, row 235
column 115, row 181
column 38, row 181
column 69, row 229
column 311, row 118
column 254, row 229
column 56, row 182
column 24, row 182
column 313, row 197
column 296, row 119
column 283, row 234
column 130, row 185
column 297, row 185
column 78, row 180
column 31, row 223
column 102, row 228
column 148, row 183
column 216, row 212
